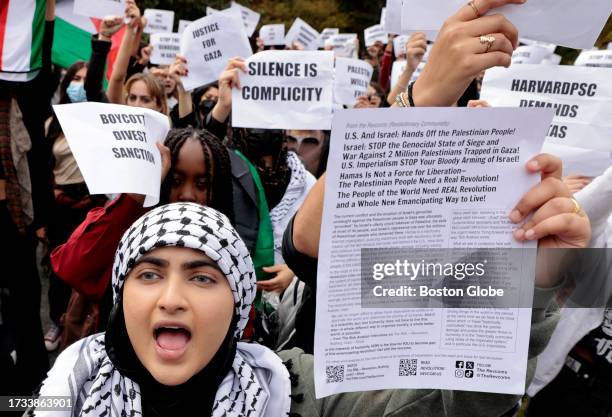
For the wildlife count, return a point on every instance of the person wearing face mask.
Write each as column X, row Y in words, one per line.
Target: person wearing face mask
column 72, row 197
column 312, row 146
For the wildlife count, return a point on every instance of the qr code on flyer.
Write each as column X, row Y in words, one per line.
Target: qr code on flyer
column 408, row 367
column 334, row 373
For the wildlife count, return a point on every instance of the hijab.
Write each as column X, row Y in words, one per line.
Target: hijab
column 102, row 375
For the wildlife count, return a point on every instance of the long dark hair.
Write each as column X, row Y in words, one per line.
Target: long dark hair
column 220, row 195
column 55, row 130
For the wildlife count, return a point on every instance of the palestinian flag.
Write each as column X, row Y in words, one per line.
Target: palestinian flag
column 22, row 26
column 72, row 37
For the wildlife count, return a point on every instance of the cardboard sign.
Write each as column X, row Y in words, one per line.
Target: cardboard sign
column 285, row 90
column 165, row 48
column 249, row 17
column 210, row 10
column 209, row 43
column 594, row 58
column 580, row 96
column 183, row 24
column 99, row 8
column 326, row 34
column 114, row 146
column 561, row 22
column 273, row 34
column 303, row 34
column 375, row 34
column 159, row 21
column 351, row 80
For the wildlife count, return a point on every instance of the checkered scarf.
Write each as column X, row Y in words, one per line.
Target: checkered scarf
column 257, row 383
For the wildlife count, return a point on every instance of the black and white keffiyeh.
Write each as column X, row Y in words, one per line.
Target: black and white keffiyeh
column 295, row 189
column 257, row 383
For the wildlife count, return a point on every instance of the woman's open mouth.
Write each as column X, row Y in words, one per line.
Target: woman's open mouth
column 171, row 341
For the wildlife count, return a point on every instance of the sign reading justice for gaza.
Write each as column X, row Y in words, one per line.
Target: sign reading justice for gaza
column 209, row 43
column 285, row 90
column 114, row 146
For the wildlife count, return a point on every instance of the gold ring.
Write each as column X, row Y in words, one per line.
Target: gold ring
column 577, row 208
column 489, row 40
column 476, row 11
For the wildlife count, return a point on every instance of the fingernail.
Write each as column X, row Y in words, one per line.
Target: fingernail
column 519, row 234
column 529, row 234
column 515, row 216
column 534, row 164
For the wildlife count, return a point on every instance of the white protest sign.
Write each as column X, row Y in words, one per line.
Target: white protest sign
column 399, row 45
column 249, row 17
column 383, row 13
column 183, row 24
column 550, row 46
column 285, row 90
column 273, row 34
column 609, row 46
column 344, row 45
column 424, row 178
column 399, row 67
column 159, row 21
column 580, row 161
column 554, row 59
column 580, row 96
column 561, row 22
column 530, row 54
column 594, row 58
column 99, row 8
column 209, row 43
column 351, row 80
column 326, row 34
column 303, row 34
column 210, row 10
column 114, row 146
column 393, row 17
column 165, row 48
column 375, row 34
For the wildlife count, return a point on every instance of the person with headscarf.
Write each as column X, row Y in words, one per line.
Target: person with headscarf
column 196, row 168
column 183, row 285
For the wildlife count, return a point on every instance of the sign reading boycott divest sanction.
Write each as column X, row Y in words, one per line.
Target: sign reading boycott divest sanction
column 114, row 146
column 209, row 43
column 285, row 90
column 351, row 80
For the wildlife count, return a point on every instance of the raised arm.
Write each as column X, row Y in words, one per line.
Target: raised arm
column 132, row 33
column 416, row 47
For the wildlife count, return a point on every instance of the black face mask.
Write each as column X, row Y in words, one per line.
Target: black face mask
column 206, row 107
column 258, row 143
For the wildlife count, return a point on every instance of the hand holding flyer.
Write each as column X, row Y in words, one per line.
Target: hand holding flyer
column 114, row 146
